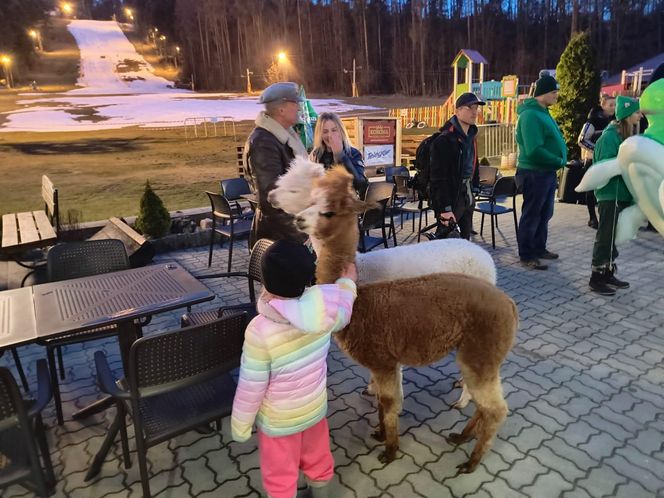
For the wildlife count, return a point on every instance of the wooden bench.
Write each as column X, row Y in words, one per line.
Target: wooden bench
column 32, row 229
column 139, row 249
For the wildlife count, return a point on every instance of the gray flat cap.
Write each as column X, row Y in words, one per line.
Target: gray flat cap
column 285, row 91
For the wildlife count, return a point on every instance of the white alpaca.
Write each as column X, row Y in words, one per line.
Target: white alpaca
column 292, row 194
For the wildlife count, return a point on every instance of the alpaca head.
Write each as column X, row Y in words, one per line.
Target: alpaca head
column 334, row 206
column 293, row 189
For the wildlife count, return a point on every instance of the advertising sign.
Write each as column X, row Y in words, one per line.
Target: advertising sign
column 379, row 132
column 376, row 155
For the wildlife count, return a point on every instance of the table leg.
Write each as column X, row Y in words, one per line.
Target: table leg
column 101, row 455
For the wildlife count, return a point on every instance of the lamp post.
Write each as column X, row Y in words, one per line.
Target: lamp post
column 248, row 76
column 354, row 90
column 67, row 9
column 177, row 56
column 282, row 63
column 129, row 14
column 36, row 36
column 161, row 46
column 6, row 62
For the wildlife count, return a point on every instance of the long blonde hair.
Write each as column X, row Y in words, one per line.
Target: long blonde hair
column 319, row 146
column 625, row 130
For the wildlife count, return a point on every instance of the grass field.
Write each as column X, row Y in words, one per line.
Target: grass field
column 102, row 174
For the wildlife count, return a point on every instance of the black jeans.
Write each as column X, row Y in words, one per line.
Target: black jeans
column 604, row 250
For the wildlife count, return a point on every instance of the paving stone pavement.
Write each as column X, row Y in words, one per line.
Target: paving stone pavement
column 583, row 382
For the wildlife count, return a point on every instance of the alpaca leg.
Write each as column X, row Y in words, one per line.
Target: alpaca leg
column 465, row 397
column 371, row 389
column 388, row 401
column 487, row 392
column 379, row 433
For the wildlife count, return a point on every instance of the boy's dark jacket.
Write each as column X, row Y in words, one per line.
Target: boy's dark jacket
column 446, row 167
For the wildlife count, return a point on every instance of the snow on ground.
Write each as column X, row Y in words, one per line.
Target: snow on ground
column 119, row 89
column 110, row 63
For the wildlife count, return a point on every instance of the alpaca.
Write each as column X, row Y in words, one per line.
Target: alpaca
column 294, row 193
column 464, row 313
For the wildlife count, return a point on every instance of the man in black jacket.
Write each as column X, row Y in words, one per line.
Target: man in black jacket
column 454, row 166
column 268, row 152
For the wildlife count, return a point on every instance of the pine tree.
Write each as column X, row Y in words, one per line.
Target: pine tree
column 580, row 84
column 153, row 219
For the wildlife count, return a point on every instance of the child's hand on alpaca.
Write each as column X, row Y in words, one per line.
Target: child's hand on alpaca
column 350, row 272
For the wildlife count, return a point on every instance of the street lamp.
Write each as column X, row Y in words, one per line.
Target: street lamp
column 177, row 56
column 282, row 57
column 67, row 8
column 36, row 36
column 6, row 62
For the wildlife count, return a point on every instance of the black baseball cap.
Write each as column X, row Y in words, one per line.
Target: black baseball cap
column 468, row 99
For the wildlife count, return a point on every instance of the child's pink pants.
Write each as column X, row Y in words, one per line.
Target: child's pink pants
column 282, row 457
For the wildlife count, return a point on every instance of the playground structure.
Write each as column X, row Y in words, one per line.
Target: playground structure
column 632, row 81
column 501, row 97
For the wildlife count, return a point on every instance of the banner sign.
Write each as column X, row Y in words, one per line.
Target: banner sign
column 376, row 155
column 380, row 132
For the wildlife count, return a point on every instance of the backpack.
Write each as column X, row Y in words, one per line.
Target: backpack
column 423, row 167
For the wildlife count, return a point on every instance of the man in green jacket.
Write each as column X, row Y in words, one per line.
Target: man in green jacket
column 542, row 151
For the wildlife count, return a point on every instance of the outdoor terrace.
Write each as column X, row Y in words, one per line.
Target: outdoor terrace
column 583, row 383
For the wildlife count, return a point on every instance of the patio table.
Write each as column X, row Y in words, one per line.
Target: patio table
column 117, row 298
column 17, row 317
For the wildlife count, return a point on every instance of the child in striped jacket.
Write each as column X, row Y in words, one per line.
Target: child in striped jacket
column 282, row 385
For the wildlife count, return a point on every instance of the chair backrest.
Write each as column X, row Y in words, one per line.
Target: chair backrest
column 255, row 258
column 504, row 187
column 184, row 357
column 391, row 171
column 488, row 175
column 10, row 399
column 233, row 188
column 82, row 259
column 50, row 197
column 377, row 191
column 220, row 205
column 402, row 188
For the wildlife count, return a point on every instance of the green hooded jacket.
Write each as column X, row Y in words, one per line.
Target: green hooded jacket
column 541, row 144
column 606, row 147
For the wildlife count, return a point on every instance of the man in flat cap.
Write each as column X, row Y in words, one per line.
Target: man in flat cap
column 454, row 166
column 270, row 148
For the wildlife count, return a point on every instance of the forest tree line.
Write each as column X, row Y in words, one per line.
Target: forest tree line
column 399, row 46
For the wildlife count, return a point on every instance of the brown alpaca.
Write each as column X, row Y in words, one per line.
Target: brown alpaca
column 463, row 313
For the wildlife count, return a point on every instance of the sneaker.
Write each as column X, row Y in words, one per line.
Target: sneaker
column 593, row 223
column 599, row 285
column 533, row 264
column 549, row 255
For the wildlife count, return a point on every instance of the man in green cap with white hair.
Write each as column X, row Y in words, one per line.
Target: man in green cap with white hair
column 542, row 152
column 270, row 148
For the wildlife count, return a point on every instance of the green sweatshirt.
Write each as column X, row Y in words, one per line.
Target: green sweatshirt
column 541, row 144
column 606, row 147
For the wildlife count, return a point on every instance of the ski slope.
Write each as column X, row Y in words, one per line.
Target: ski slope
column 117, row 88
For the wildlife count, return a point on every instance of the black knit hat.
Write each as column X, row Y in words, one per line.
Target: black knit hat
column 287, row 268
column 545, row 84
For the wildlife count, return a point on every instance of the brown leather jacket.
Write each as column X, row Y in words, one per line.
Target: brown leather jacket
column 266, row 159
